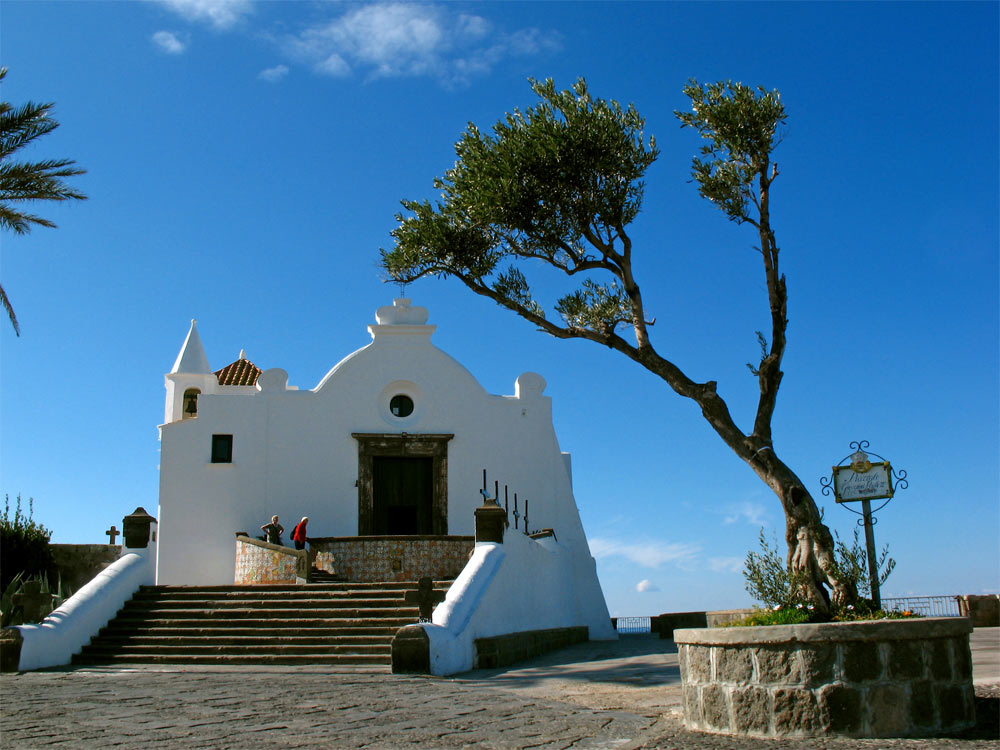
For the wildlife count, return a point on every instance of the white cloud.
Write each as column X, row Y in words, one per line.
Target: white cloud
column 403, row 39
column 751, row 513
column 649, row 554
column 169, row 42
column 222, row 14
column 726, row 564
column 646, row 585
column 273, row 74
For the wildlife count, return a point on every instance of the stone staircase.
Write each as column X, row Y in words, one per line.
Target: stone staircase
column 343, row 624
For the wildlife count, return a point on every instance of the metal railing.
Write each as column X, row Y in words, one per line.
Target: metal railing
column 929, row 606
column 632, row 625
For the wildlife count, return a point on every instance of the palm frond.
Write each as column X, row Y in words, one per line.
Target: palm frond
column 28, row 181
column 5, row 303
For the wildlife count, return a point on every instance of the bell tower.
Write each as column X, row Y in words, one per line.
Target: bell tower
column 190, row 377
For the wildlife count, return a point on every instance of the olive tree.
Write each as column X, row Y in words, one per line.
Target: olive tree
column 559, row 184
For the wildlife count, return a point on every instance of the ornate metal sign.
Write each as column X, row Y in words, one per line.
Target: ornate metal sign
column 861, row 479
column 869, row 482
column 857, row 478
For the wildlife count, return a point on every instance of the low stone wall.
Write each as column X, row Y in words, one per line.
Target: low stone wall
column 76, row 564
column 365, row 559
column 259, row 562
column 717, row 618
column 890, row 678
column 984, row 611
column 664, row 625
column 503, row 650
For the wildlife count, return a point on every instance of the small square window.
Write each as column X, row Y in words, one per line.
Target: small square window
column 222, row 449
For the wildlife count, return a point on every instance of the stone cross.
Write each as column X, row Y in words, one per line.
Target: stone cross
column 112, row 532
column 425, row 597
column 33, row 602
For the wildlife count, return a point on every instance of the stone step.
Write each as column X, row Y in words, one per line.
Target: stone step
column 256, row 659
column 278, row 603
column 305, row 593
column 230, row 639
column 196, row 649
column 196, row 631
column 292, row 587
column 230, row 623
column 261, row 613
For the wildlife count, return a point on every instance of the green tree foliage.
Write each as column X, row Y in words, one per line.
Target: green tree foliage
column 558, row 185
column 22, row 182
column 24, row 544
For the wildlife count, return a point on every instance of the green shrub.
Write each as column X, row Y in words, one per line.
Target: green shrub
column 779, row 616
column 771, row 581
column 852, row 563
column 24, row 544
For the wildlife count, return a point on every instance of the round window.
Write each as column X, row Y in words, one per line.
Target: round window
column 401, row 406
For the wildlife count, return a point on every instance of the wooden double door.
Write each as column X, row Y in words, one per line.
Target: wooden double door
column 402, row 495
column 402, row 484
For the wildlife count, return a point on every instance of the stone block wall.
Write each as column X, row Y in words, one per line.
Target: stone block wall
column 503, row 650
column 76, row 564
column 984, row 610
column 259, row 562
column 366, row 559
column 664, row 625
column 891, row 678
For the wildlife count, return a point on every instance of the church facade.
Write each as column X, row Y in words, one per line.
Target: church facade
column 393, row 441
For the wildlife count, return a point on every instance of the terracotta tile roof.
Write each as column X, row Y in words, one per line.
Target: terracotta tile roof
column 240, row 372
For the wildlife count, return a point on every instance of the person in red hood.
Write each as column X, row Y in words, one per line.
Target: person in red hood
column 299, row 533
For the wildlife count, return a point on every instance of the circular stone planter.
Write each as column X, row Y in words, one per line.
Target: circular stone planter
column 887, row 678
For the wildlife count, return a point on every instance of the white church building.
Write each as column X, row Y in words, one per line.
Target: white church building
column 388, row 456
column 393, row 441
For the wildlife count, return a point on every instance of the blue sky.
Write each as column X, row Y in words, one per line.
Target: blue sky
column 245, row 161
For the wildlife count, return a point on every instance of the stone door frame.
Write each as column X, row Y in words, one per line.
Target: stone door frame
column 403, row 445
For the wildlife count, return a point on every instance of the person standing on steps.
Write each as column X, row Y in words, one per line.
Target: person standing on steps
column 299, row 533
column 273, row 530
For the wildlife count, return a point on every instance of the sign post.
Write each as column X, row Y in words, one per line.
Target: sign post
column 855, row 479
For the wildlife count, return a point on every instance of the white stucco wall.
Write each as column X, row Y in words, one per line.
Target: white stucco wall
column 519, row 585
column 293, row 454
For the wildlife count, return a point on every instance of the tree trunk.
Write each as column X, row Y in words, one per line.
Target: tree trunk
column 810, row 544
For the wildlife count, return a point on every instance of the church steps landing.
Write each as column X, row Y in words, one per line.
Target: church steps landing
column 332, row 624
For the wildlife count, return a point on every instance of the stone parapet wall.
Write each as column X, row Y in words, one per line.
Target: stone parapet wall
column 891, row 678
column 365, row 559
column 259, row 562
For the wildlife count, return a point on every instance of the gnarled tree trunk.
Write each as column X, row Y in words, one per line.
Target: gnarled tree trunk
column 810, row 543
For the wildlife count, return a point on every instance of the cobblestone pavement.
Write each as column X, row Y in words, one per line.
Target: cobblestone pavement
column 613, row 695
